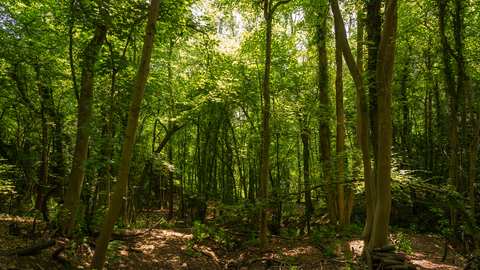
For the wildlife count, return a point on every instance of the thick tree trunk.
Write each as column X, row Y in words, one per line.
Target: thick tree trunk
column 323, row 90
column 265, row 168
column 385, row 62
column 127, row 150
column 75, row 181
column 373, row 25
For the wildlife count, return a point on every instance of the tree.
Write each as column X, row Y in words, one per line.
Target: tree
column 77, row 173
column 378, row 213
column 268, row 11
column 385, row 61
column 125, row 161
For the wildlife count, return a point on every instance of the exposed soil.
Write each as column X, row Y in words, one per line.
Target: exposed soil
column 163, row 248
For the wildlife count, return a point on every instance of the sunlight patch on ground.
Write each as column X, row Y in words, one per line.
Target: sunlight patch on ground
column 357, row 245
column 148, row 247
column 429, row 265
column 298, row 251
column 175, row 234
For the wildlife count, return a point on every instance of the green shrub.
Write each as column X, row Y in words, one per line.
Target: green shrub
column 404, row 243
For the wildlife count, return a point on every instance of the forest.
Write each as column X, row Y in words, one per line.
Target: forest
column 244, row 134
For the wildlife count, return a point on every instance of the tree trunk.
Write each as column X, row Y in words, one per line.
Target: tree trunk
column 342, row 205
column 323, row 90
column 373, row 25
column 268, row 15
column 127, row 150
column 453, row 106
column 385, row 62
column 474, row 114
column 362, row 112
column 172, row 122
column 306, row 176
column 170, row 184
column 44, row 96
column 72, row 197
column 376, row 226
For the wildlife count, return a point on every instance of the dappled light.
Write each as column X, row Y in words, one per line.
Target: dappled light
column 246, row 134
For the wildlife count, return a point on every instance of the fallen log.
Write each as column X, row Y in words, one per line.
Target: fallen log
column 393, row 256
column 385, row 248
column 56, row 255
column 33, row 249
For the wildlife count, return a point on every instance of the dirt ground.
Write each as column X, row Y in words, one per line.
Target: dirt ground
column 173, row 248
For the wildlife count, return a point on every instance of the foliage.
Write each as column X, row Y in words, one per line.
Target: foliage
column 206, row 77
column 404, row 243
column 327, row 235
column 113, row 253
column 6, row 185
column 165, row 224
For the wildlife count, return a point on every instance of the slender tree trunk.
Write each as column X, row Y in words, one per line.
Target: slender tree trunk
column 358, row 120
column 172, row 123
column 362, row 111
column 342, row 205
column 268, row 15
column 376, row 227
column 104, row 184
column 306, row 177
column 453, row 106
column 127, row 150
column 72, row 197
column 170, row 185
column 70, row 50
column 44, row 96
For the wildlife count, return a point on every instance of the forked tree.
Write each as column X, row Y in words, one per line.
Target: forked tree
column 378, row 207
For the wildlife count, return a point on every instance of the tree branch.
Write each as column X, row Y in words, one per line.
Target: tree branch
column 272, row 10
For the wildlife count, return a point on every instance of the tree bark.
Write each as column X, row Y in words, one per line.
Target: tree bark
column 323, row 91
column 172, row 122
column 44, row 96
column 385, row 62
column 362, row 111
column 269, row 10
column 376, row 227
column 343, row 224
column 127, row 151
column 306, row 176
column 453, row 106
column 72, row 197
column 373, row 25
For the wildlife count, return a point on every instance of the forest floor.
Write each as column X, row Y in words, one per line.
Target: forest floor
column 159, row 247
